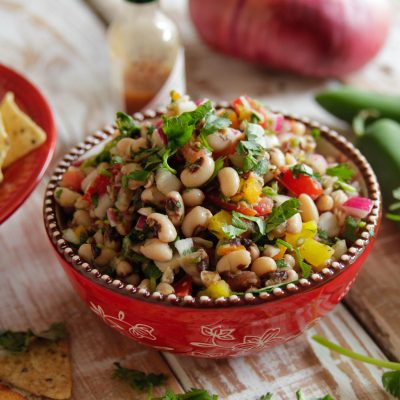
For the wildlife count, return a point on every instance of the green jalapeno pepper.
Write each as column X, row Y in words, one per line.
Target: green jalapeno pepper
column 346, row 103
column 380, row 144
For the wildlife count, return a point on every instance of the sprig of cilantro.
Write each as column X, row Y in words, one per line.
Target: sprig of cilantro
column 179, row 129
column 18, row 342
column 212, row 123
column 344, row 174
column 390, row 379
column 281, row 214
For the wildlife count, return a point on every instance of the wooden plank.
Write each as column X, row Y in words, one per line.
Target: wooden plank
column 301, row 363
column 374, row 297
column 60, row 46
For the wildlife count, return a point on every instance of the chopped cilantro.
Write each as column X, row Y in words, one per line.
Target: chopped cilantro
column 153, row 273
column 281, row 263
column 105, row 172
column 315, row 133
column 126, row 125
column 342, row 171
column 139, row 175
column 271, row 191
column 350, row 229
column 261, row 224
column 212, row 123
column 58, row 192
column 281, row 214
column 138, row 379
column 95, row 199
column 302, row 169
column 284, row 244
column 305, row 268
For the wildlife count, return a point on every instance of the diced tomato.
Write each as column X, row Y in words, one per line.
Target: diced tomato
column 98, row 186
column 245, row 107
column 302, row 184
column 184, row 286
column 72, row 179
column 239, row 207
column 115, row 169
column 263, row 206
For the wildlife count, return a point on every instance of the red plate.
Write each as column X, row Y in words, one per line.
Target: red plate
column 21, row 177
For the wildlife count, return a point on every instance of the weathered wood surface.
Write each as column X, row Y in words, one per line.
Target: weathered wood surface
column 60, row 46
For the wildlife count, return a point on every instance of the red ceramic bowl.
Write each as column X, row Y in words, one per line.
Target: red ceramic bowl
column 21, row 177
column 218, row 328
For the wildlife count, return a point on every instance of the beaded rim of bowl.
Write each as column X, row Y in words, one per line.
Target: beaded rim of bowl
column 331, row 270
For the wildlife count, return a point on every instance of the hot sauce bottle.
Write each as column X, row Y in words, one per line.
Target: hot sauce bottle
column 147, row 59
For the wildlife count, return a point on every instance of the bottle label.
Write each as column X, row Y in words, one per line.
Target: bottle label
column 176, row 81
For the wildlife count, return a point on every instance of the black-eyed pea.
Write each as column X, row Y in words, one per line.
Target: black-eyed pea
column 196, row 221
column 229, row 181
column 328, row 222
column 130, row 168
column 270, row 251
column 290, row 160
column 308, row 209
column 126, row 146
column 104, row 203
column 294, row 224
column 289, row 260
column 324, row 203
column 298, row 128
column 163, row 227
column 133, row 279
column 339, row 197
column 263, row 265
column 105, row 257
column 167, row 182
column 209, row 277
column 175, row 207
column 82, row 217
column 124, row 199
column 123, row 268
column 66, row 197
column 193, row 197
column 153, row 196
column 277, row 158
column 99, row 237
column 292, row 275
column 145, row 284
column 85, row 252
column 220, row 140
column 199, row 172
column 234, row 261
column 254, row 252
column 165, row 288
column 156, row 250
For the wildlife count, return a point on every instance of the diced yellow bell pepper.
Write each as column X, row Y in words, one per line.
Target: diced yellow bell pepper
column 308, row 231
column 250, row 189
column 219, row 220
column 219, row 289
column 316, row 253
column 79, row 231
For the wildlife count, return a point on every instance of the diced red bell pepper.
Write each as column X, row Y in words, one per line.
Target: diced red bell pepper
column 247, row 103
column 301, row 184
column 98, row 186
column 72, row 179
column 184, row 286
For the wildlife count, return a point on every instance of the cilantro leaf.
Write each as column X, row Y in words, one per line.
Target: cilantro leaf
column 16, row 342
column 342, row 171
column 345, row 186
column 305, row 268
column 138, row 175
column 232, row 231
column 138, row 379
column 282, row 213
column 56, row 331
column 391, row 383
column 315, row 133
column 213, row 123
column 271, row 191
column 192, row 394
column 350, row 229
column 281, row 263
column 179, row 129
column 153, row 273
column 126, row 125
column 261, row 224
column 300, row 396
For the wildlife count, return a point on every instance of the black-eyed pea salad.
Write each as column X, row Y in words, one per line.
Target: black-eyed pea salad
column 207, row 201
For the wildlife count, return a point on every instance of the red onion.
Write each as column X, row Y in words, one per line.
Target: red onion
column 357, row 207
column 161, row 134
column 141, row 223
column 311, row 37
column 112, row 217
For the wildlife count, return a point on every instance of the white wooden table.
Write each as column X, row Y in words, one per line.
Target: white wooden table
column 60, row 45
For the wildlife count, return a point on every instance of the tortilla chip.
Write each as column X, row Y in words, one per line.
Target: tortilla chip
column 4, row 145
column 24, row 134
column 7, row 394
column 44, row 370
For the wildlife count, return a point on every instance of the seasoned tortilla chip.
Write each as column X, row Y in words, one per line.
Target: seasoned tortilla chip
column 44, row 370
column 24, row 134
column 4, row 145
column 7, row 394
